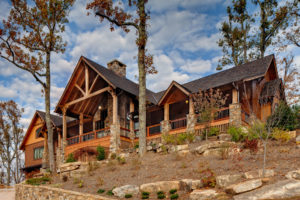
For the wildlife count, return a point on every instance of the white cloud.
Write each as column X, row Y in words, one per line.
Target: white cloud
column 7, row 92
column 197, row 66
column 4, row 10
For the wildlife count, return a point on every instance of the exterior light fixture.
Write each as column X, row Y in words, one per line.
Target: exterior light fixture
column 100, row 107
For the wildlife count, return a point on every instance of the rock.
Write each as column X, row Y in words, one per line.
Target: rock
column 165, row 186
column 203, row 194
column 178, row 148
column 258, row 174
column 298, row 140
column 149, row 148
column 293, row 174
column 212, row 153
column 226, row 180
column 190, row 184
column 69, row 166
column 211, row 145
column 183, row 153
column 124, row 155
column 137, row 150
column 244, row 186
column 224, row 137
column 158, row 150
column 281, row 190
column 126, row 189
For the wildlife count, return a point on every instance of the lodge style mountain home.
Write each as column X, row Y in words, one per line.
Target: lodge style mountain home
column 99, row 106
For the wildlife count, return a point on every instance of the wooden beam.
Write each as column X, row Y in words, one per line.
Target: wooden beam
column 81, row 90
column 87, row 81
column 64, row 144
column 88, row 96
column 166, row 112
column 234, row 96
column 80, row 124
column 93, row 84
column 115, row 107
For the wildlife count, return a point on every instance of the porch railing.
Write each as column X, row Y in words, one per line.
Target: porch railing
column 178, row 123
column 125, row 132
column 222, row 113
column 88, row 136
column 153, row 130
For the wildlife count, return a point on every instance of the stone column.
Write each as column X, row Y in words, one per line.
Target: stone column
column 115, row 127
column 235, row 114
column 191, row 118
column 64, row 142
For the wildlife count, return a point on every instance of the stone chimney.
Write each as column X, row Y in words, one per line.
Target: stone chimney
column 118, row 67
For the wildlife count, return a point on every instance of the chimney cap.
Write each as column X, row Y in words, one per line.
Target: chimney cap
column 115, row 60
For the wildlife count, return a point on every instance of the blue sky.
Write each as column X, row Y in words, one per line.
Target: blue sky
column 182, row 38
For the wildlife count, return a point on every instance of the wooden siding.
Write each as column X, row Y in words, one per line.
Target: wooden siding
column 29, row 153
column 31, row 137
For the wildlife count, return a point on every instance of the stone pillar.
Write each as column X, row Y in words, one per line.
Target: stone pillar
column 64, row 142
column 235, row 114
column 115, row 127
column 165, row 125
column 45, row 159
column 191, row 118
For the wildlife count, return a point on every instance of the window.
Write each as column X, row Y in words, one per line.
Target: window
column 38, row 153
column 37, row 132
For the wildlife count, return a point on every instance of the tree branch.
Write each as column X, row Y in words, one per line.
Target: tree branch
column 116, row 22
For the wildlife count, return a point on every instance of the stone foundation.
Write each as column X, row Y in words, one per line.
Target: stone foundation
column 26, row 192
column 165, row 127
column 115, row 138
column 235, row 114
column 191, row 122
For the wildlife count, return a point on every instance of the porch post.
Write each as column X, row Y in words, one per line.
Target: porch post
column 165, row 125
column 131, row 125
column 191, row 117
column 115, row 126
column 64, row 142
column 235, row 113
column 80, row 126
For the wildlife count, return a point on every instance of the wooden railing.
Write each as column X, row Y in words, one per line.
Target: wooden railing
column 221, row 114
column 178, row 123
column 153, row 130
column 125, row 132
column 88, row 136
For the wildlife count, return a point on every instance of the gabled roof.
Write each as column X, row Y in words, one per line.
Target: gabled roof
column 270, row 89
column 173, row 84
column 254, row 69
column 121, row 82
column 56, row 121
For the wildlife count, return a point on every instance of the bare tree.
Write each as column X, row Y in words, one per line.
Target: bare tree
column 207, row 103
column 11, row 136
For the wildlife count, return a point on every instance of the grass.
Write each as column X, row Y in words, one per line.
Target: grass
column 100, row 191
column 38, row 181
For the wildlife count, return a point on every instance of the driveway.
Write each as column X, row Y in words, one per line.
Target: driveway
column 7, row 194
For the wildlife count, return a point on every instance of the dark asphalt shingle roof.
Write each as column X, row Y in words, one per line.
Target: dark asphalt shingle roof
column 121, row 82
column 56, row 120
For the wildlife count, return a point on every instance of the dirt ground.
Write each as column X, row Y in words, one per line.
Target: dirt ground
column 7, row 194
column 165, row 167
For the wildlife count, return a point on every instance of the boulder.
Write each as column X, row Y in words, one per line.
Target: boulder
column 126, row 189
column 215, row 144
column 293, row 174
column 179, row 148
column 298, row 141
column 212, row 153
column 149, row 148
column 203, row 194
column 226, row 180
column 165, row 186
column 183, row 153
column 287, row 189
column 258, row 174
column 190, row 184
column 244, row 186
column 224, row 137
column 124, row 155
column 69, row 166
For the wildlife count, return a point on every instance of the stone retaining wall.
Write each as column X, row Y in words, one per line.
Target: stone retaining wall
column 26, row 192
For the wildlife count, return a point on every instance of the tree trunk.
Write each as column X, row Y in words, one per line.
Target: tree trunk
column 48, row 120
column 8, row 171
column 142, row 41
column 262, row 30
column 265, row 157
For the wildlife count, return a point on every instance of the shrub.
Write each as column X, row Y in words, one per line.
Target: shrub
column 224, row 150
column 169, row 139
column 38, row 181
column 100, row 181
column 251, row 144
column 65, row 178
column 280, row 135
column 136, row 146
column 145, row 195
column 113, row 156
column 173, row 191
column 161, row 196
column 80, row 185
column 71, row 158
column 100, row 191
column 236, row 133
column 190, row 137
column 208, row 178
column 121, row 160
column 213, row 131
column 110, row 193
column 127, row 196
column 101, row 153
column 174, row 196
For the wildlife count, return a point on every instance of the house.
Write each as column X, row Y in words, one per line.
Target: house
column 103, row 105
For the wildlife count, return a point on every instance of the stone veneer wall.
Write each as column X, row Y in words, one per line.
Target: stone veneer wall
column 235, row 114
column 29, row 192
